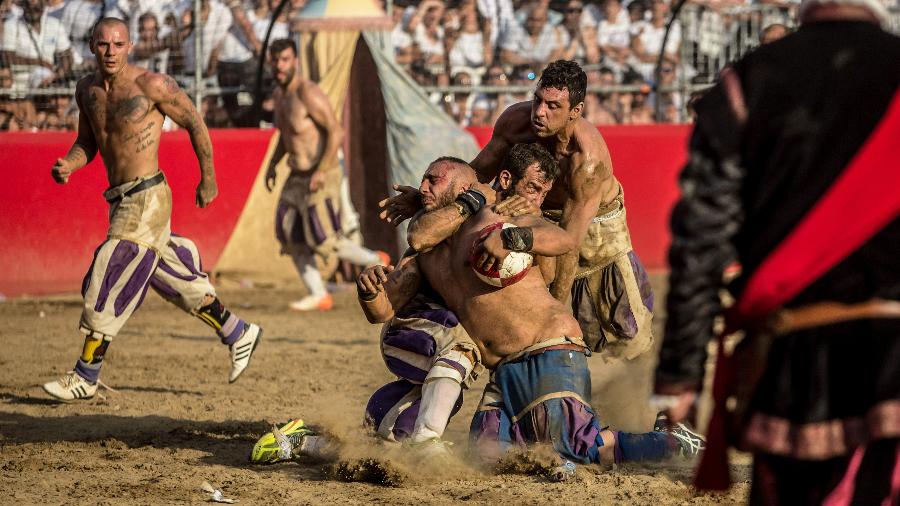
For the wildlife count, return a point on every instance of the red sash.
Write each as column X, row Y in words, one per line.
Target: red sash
column 863, row 200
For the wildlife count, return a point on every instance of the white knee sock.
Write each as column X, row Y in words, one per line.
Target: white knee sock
column 356, row 254
column 310, row 275
column 439, row 395
column 349, row 216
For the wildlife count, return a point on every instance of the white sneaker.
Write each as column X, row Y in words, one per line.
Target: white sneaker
column 242, row 350
column 313, row 303
column 70, row 387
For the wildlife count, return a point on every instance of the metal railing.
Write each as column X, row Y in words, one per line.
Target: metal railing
column 710, row 38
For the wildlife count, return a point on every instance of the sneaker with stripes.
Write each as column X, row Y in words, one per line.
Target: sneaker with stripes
column 242, row 350
column 71, row 387
column 690, row 443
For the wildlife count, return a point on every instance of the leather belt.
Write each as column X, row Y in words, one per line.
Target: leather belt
column 143, row 185
column 828, row 313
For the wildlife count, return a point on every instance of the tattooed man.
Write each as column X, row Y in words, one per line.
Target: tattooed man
column 122, row 109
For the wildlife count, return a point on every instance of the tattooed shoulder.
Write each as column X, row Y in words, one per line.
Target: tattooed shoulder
column 409, row 279
column 170, row 85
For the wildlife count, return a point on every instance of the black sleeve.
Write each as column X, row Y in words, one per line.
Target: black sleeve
column 703, row 223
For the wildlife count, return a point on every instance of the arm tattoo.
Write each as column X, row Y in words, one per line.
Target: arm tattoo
column 79, row 153
column 408, row 284
column 517, row 238
column 171, row 85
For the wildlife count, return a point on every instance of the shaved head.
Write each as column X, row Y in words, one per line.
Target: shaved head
column 111, row 45
column 110, row 22
column 461, row 171
column 445, row 178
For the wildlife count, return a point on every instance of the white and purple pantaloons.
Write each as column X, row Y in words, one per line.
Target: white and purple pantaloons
column 423, row 344
column 140, row 252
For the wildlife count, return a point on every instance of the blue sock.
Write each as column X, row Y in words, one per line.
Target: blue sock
column 645, row 446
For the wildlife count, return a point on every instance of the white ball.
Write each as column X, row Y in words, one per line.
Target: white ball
column 513, row 268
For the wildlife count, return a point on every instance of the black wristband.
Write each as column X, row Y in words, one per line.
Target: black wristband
column 472, row 199
column 517, row 238
column 365, row 296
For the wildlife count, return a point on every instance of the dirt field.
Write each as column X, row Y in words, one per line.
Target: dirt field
column 175, row 422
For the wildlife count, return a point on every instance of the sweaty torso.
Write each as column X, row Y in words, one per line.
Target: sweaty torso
column 585, row 146
column 500, row 320
column 302, row 138
column 126, row 124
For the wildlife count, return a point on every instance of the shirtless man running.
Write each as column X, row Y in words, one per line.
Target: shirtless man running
column 308, row 219
column 540, row 385
column 122, row 112
column 610, row 292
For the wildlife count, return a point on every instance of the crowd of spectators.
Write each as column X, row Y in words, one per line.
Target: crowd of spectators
column 490, row 44
column 618, row 42
column 44, row 49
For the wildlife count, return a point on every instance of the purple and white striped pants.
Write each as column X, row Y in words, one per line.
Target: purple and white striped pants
column 307, row 221
column 424, row 340
column 140, row 252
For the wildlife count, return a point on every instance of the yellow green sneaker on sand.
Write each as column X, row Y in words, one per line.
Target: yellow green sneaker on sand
column 279, row 445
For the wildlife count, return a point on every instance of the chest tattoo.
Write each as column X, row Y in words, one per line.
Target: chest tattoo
column 131, row 110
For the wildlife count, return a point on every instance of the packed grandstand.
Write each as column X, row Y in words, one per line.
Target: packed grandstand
column 472, row 57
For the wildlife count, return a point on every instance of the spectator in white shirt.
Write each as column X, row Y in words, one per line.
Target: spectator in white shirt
column 237, row 66
column 430, row 64
column 582, row 34
column 401, row 40
column 54, row 8
column 636, row 12
column 534, row 45
column 613, row 32
column 261, row 16
column 37, row 47
column 500, row 15
column 647, row 39
column 480, row 113
column 165, row 12
column 472, row 48
column 217, row 20
column 429, row 34
column 150, row 51
column 78, row 18
column 521, row 14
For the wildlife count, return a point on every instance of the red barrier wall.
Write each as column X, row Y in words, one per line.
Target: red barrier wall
column 646, row 160
column 50, row 231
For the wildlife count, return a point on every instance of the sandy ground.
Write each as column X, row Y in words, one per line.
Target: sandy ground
column 175, row 422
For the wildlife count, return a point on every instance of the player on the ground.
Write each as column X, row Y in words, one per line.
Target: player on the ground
column 308, row 219
column 424, row 344
column 611, row 294
column 540, row 386
column 122, row 109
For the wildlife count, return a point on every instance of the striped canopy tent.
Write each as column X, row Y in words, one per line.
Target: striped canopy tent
column 328, row 15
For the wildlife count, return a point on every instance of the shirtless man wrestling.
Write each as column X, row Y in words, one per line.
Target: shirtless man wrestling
column 308, row 219
column 540, row 384
column 610, row 292
column 122, row 109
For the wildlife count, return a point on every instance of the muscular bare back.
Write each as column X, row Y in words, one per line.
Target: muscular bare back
column 500, row 321
column 302, row 139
